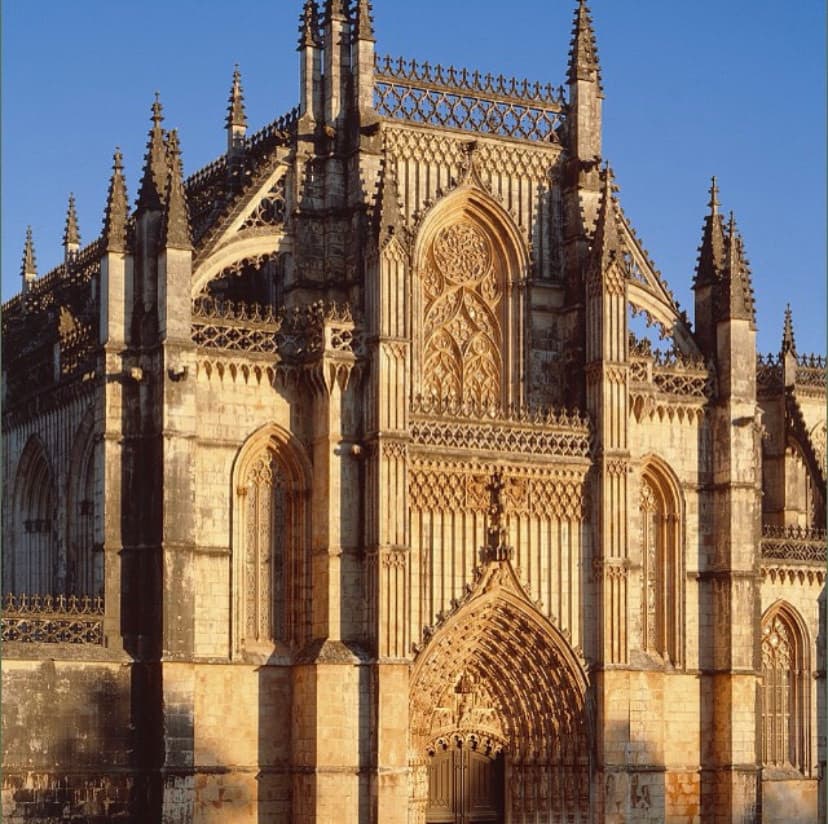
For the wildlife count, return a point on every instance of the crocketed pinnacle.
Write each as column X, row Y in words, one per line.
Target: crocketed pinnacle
column 388, row 215
column 154, row 179
column 583, row 51
column 710, row 263
column 606, row 242
column 117, row 209
column 309, row 25
column 176, row 233
column 788, row 342
column 235, row 110
column 29, row 268
column 71, row 235
column 737, row 283
column 364, row 22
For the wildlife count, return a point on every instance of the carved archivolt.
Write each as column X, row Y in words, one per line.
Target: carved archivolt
column 497, row 676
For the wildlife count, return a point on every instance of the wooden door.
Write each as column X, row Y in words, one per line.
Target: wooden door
column 464, row 787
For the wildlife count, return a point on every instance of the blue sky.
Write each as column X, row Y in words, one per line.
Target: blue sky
column 735, row 89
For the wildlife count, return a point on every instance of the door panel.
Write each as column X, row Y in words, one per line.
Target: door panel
column 464, row 787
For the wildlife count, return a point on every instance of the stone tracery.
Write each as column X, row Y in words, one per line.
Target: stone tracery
column 462, row 332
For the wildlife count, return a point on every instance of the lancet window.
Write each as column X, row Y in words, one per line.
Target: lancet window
column 84, row 572
column 662, row 563
column 462, row 317
column 32, row 564
column 269, row 549
column 785, row 691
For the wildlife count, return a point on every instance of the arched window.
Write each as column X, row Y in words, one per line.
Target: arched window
column 785, row 690
column 462, row 323
column 270, row 556
column 662, row 565
column 468, row 316
column 84, row 567
column 33, row 554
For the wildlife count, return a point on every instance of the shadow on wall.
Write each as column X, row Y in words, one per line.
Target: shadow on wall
column 635, row 790
column 68, row 746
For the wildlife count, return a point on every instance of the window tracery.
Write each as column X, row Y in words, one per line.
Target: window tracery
column 785, row 692
column 271, row 562
column 264, row 551
column 462, row 308
column 33, row 559
column 661, row 595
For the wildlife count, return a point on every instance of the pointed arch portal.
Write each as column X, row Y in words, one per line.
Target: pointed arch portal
column 498, row 714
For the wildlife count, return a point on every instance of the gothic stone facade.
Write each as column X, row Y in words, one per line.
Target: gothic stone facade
column 337, row 489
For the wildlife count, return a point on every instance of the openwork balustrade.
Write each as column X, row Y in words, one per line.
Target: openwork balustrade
column 445, row 423
column 52, row 619
column 794, row 544
column 298, row 334
column 460, row 99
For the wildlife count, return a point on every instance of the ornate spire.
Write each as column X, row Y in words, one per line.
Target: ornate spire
column 154, row 180
column 309, row 25
column 364, row 21
column 71, row 235
column 788, row 342
column 236, row 116
column 710, row 264
column 739, row 290
column 28, row 270
column 583, row 52
column 117, row 208
column 176, row 231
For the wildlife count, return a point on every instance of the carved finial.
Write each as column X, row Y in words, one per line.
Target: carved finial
column 583, row 52
column 711, row 260
column 71, row 235
column 714, row 196
column 157, row 110
column 788, row 342
column 738, row 300
column 116, row 212
column 28, row 270
column 176, row 231
column 309, row 25
column 497, row 533
column 364, row 22
column 236, row 122
column 154, row 179
column 236, row 116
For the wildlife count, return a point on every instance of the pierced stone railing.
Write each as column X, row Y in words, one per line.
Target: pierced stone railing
column 446, row 423
column 793, row 544
column 460, row 99
column 52, row 619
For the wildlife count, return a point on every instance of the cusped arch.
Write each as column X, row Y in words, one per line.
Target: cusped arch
column 469, row 256
column 791, row 616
